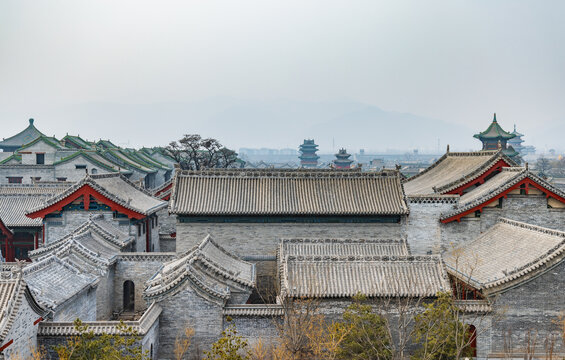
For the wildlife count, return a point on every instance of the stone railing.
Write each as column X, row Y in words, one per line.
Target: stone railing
column 140, row 326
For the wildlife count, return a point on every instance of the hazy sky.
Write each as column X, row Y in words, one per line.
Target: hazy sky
column 456, row 61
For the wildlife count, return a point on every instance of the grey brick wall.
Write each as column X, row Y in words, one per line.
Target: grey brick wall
column 81, row 306
column 423, row 228
column 138, row 269
column 23, row 332
column 187, row 308
column 263, row 238
column 533, row 306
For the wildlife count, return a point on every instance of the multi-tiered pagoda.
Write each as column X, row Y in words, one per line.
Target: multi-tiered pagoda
column 517, row 144
column 494, row 137
column 342, row 160
column 308, row 157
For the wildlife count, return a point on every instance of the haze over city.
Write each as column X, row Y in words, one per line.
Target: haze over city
column 358, row 74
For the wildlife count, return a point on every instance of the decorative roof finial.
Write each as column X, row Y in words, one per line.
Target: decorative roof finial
column 527, row 166
column 447, row 147
column 31, row 121
column 514, row 127
column 494, row 120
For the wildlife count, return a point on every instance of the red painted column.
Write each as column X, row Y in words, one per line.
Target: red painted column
column 147, row 237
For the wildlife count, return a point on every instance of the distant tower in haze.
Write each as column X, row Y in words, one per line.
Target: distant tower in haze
column 308, row 157
column 494, row 138
column 342, row 160
column 517, row 144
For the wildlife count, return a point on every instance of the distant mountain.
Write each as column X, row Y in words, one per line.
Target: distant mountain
column 273, row 124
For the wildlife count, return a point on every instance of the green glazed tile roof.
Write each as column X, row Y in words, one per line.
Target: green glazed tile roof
column 494, row 131
column 51, row 141
column 27, row 135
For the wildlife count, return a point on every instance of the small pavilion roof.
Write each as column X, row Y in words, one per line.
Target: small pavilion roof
column 54, row 281
column 498, row 184
column 210, row 269
column 452, row 170
column 94, row 242
column 287, row 192
column 494, row 131
column 507, row 254
column 114, row 187
column 25, row 136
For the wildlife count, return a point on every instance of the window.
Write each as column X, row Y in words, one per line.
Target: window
column 138, row 229
column 15, row 179
column 40, row 159
column 94, row 171
column 61, row 179
column 129, row 296
column 80, row 166
column 156, row 220
column 523, row 189
column 478, row 213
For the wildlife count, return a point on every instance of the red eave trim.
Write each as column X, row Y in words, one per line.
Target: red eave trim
column 38, row 320
column 86, row 191
column 7, row 232
column 527, row 181
column 6, row 345
column 163, row 189
column 480, row 180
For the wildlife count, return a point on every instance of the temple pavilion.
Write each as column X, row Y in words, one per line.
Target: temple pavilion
column 494, row 137
column 308, row 157
column 342, row 160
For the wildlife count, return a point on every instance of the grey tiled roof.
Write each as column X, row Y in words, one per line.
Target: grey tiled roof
column 54, row 281
column 287, row 192
column 499, row 183
column 92, row 246
column 209, row 267
column 452, row 170
column 373, row 276
column 508, row 253
column 118, row 189
column 16, row 201
column 344, row 247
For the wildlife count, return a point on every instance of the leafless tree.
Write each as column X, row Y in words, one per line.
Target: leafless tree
column 194, row 153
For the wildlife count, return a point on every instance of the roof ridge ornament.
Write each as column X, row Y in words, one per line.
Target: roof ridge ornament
column 494, row 120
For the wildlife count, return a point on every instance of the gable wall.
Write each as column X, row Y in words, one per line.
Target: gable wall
column 535, row 305
column 23, row 332
column 81, row 306
column 69, row 170
column 187, row 308
column 39, row 147
column 531, row 209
